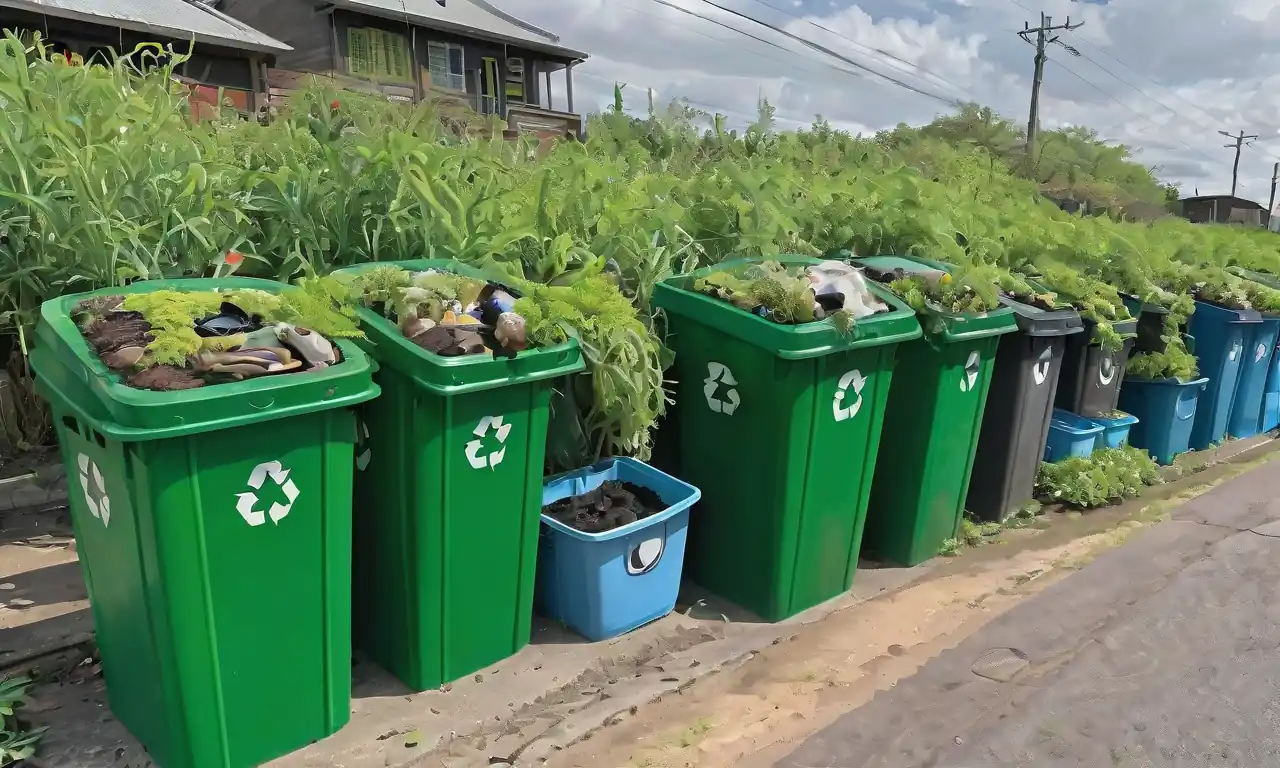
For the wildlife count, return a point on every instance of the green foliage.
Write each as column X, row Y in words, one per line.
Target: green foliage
column 1175, row 362
column 612, row 408
column 320, row 304
column 17, row 743
column 785, row 293
column 1109, row 476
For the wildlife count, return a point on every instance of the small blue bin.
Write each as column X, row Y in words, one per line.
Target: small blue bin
column 1166, row 413
column 606, row 584
column 1070, row 435
column 1115, row 432
column 1220, row 336
column 1247, row 408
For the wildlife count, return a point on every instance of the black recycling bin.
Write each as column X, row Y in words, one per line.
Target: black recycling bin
column 1015, row 424
column 1091, row 376
column 1150, row 328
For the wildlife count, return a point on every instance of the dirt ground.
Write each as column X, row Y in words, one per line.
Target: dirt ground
column 756, row 714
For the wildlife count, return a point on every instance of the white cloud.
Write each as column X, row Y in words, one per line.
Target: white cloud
column 1214, row 63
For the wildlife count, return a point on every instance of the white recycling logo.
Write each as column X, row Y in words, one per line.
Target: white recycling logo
column 364, row 454
column 644, row 556
column 1261, row 353
column 970, row 379
column 246, row 502
column 1106, row 371
column 717, row 374
column 95, row 490
column 482, row 429
column 1041, row 369
column 855, row 380
column 1236, row 346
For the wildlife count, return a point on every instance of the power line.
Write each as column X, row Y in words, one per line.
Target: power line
column 784, row 62
column 913, row 67
column 827, row 51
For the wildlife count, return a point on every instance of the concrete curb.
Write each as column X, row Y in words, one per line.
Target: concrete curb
column 44, row 487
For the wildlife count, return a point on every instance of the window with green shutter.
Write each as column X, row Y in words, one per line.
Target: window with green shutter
column 379, row 55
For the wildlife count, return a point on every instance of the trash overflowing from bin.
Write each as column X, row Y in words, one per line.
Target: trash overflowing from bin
column 169, row 340
column 795, row 294
column 614, row 504
column 445, row 313
column 970, row 291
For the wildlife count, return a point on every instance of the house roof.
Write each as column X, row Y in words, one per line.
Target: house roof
column 473, row 18
column 1220, row 198
column 176, row 19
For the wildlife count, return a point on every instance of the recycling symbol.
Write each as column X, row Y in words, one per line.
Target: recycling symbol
column 95, row 490
column 245, row 502
column 1235, row 351
column 644, row 556
column 971, row 365
column 853, row 379
column 481, row 431
column 1261, row 353
column 1106, row 371
column 1041, row 369
column 363, row 453
column 717, row 374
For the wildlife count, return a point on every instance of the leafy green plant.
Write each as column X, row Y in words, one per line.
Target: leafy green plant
column 1109, row 476
column 16, row 741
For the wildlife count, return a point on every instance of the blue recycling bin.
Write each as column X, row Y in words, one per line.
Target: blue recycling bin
column 1271, row 396
column 605, row 584
column 1166, row 412
column 1115, row 430
column 1220, row 336
column 1248, row 405
column 1070, row 435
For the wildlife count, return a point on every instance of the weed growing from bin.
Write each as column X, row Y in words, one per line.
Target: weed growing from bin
column 1109, row 476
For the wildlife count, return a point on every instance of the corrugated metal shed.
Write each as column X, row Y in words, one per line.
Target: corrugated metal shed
column 170, row 18
column 473, row 18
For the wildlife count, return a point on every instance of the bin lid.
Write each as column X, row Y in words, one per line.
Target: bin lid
column 788, row 342
column 1207, row 309
column 1271, row 281
column 466, row 373
column 68, row 372
column 1122, row 327
column 940, row 325
column 1139, row 307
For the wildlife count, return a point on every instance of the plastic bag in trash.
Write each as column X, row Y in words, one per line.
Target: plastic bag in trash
column 838, row 286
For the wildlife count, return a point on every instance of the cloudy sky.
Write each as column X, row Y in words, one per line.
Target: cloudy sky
column 1161, row 76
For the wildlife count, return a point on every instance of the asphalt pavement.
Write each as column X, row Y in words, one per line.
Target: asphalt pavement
column 1162, row 653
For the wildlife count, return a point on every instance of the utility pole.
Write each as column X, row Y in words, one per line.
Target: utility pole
column 1044, row 37
column 1237, row 142
column 1275, row 176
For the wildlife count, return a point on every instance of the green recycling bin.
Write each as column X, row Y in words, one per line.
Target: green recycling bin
column 448, row 485
column 213, row 527
column 931, row 427
column 778, row 426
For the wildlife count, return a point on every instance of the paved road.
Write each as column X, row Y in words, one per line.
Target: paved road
column 1162, row 653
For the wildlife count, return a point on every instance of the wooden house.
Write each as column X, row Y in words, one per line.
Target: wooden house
column 462, row 52
column 229, row 57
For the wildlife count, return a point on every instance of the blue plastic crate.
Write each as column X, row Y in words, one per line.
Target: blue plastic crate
column 1070, row 435
column 1115, row 432
column 606, row 584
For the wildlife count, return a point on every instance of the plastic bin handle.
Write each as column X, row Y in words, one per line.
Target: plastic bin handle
column 877, row 341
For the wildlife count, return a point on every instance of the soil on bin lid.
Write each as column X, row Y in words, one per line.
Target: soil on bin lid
column 614, row 504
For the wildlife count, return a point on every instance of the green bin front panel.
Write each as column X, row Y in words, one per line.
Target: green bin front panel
column 931, row 427
column 448, row 504
column 783, row 451
column 222, row 610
